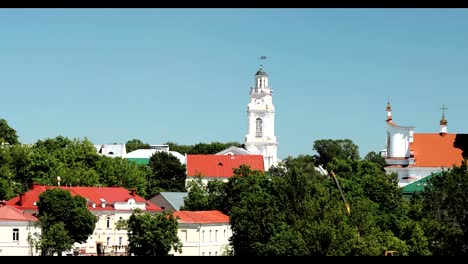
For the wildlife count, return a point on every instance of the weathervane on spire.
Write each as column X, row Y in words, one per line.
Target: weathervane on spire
column 262, row 58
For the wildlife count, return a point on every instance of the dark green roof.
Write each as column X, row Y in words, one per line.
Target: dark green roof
column 144, row 161
column 261, row 72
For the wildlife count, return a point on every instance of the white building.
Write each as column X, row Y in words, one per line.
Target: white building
column 261, row 138
column 414, row 156
column 203, row 233
column 112, row 150
column 16, row 230
column 109, row 204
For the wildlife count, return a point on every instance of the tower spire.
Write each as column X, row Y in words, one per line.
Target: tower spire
column 443, row 121
column 389, row 110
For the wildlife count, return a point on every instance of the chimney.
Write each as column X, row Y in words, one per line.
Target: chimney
column 21, row 199
column 133, row 192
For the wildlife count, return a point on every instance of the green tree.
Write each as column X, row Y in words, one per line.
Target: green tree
column 376, row 158
column 201, row 148
column 298, row 211
column 7, row 134
column 116, row 171
column 54, row 239
column 327, row 149
column 152, row 235
column 168, row 174
column 207, row 197
column 135, row 144
column 441, row 210
column 197, row 197
column 59, row 206
column 14, row 166
column 72, row 160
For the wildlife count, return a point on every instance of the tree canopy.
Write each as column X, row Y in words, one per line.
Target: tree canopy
column 327, row 149
column 152, row 234
column 7, row 133
column 168, row 174
column 135, row 144
column 65, row 218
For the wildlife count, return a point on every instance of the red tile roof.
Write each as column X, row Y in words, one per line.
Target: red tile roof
column 221, row 165
column 10, row 213
column 93, row 194
column 435, row 150
column 201, row 217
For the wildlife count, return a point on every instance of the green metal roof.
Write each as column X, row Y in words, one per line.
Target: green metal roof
column 418, row 185
column 144, row 161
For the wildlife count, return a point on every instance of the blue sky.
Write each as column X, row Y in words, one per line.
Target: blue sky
column 184, row 75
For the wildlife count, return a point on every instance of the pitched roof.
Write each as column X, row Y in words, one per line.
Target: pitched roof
column 261, row 72
column 175, row 199
column 92, row 194
column 10, row 213
column 201, row 217
column 221, row 165
column 418, row 185
column 435, row 150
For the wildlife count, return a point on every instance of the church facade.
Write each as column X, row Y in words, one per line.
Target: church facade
column 414, row 156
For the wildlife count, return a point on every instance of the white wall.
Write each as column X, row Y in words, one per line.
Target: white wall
column 21, row 247
column 203, row 239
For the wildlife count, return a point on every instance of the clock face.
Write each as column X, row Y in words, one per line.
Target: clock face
column 258, row 101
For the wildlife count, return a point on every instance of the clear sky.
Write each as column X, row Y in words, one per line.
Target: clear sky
column 184, row 75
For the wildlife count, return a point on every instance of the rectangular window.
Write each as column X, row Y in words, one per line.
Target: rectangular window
column 15, row 234
column 184, row 235
column 216, row 235
column 203, row 237
column 120, row 241
column 108, row 240
column 224, row 234
column 210, row 239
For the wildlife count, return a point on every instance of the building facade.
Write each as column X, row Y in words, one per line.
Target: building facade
column 108, row 204
column 17, row 229
column 203, row 233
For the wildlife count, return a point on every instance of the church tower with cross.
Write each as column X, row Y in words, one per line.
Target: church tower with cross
column 414, row 156
column 260, row 138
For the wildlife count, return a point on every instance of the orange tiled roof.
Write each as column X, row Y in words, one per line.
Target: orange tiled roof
column 435, row 150
column 94, row 194
column 201, row 217
column 221, row 165
column 8, row 212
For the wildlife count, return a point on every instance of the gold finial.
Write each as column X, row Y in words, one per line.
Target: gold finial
column 443, row 121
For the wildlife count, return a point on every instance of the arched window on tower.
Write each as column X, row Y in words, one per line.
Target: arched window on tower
column 258, row 131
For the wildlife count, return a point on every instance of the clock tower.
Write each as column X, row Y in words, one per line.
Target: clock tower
column 260, row 138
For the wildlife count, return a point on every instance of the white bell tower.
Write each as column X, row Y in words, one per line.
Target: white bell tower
column 260, row 138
